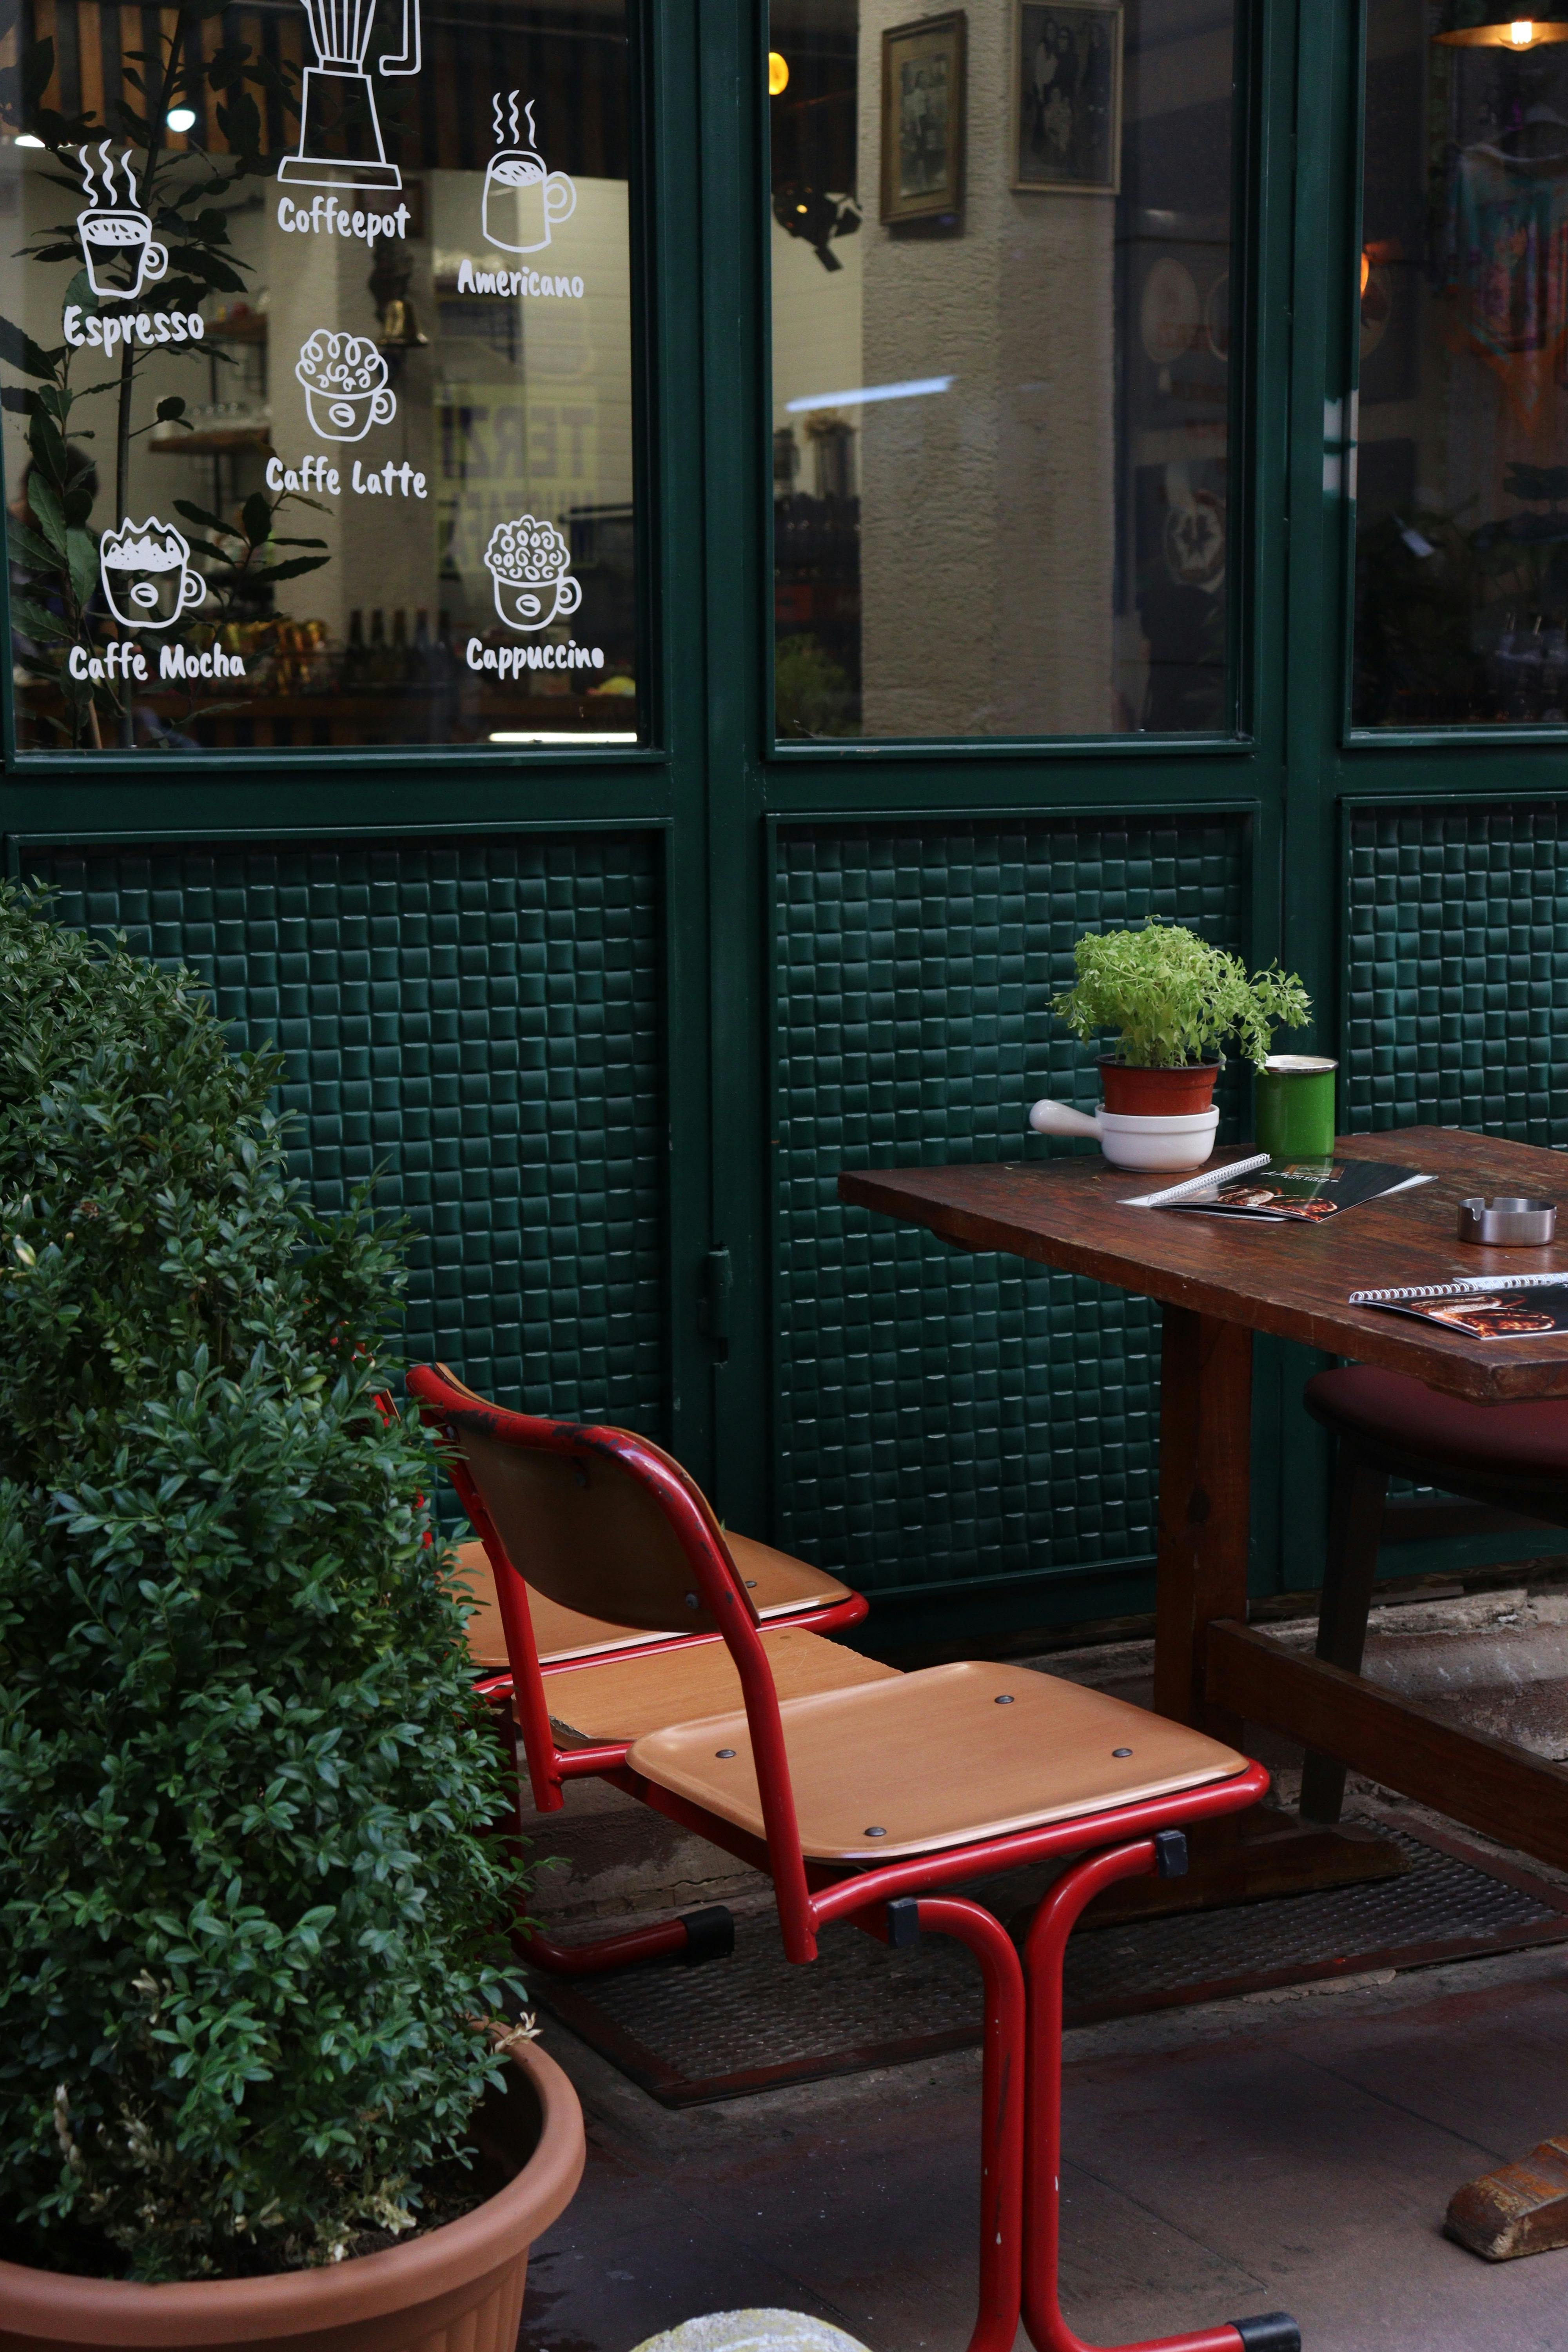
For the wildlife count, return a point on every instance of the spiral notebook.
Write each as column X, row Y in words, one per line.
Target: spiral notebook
column 1519, row 1307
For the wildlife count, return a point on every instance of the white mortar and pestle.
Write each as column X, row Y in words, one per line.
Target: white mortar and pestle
column 1172, row 1140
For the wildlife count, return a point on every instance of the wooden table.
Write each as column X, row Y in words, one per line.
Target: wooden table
column 1219, row 1280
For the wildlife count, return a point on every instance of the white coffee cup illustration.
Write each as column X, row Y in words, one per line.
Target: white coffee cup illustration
column 529, row 563
column 346, row 391
column 120, row 251
column 145, row 569
column 523, row 202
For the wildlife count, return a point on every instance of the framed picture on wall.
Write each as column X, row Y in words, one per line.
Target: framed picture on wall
column 923, row 117
column 1067, row 108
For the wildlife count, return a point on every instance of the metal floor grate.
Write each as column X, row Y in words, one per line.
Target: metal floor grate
column 753, row 2020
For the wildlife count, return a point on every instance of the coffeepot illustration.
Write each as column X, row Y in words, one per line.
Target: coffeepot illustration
column 117, row 241
column 531, row 564
column 340, row 132
column 523, row 202
column 146, row 575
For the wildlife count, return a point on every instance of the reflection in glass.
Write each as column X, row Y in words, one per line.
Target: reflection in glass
column 1461, row 478
column 319, row 421
column 1001, row 348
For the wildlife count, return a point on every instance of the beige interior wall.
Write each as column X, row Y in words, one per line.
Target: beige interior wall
column 988, row 510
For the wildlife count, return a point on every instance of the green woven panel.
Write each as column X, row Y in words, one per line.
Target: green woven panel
column 481, row 1022
column 942, row 1417
column 1456, row 995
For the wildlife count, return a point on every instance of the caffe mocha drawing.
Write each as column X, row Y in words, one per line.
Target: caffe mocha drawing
column 319, row 423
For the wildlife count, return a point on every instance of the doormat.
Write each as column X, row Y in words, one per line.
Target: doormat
column 753, row 2021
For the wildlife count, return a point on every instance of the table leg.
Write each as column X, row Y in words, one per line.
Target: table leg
column 1205, row 1489
column 1205, row 1481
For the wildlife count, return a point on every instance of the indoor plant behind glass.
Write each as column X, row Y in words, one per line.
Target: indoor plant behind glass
column 252, row 1921
column 1175, row 1002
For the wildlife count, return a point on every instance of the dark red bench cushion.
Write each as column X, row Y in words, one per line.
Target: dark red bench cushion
column 1529, row 1441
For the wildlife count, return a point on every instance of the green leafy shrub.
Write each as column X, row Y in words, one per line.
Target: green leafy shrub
column 248, row 1915
column 1174, row 999
column 810, row 690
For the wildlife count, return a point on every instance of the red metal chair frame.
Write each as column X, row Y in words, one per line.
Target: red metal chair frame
column 1021, row 2073
column 829, row 1617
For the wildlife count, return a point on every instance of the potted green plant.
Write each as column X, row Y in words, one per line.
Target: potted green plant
column 1174, row 1000
column 256, row 2083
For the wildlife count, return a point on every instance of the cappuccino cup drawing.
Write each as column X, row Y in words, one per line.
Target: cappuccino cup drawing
column 346, row 391
column 146, row 575
column 120, row 255
column 529, row 563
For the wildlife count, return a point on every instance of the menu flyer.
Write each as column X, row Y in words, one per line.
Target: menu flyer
column 1525, row 1306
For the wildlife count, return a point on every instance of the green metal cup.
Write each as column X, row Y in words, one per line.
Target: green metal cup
column 1295, row 1107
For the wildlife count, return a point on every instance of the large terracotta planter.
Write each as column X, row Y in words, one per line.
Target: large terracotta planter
column 457, row 2289
column 1157, row 1094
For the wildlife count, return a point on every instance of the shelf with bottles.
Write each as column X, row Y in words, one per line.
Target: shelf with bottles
column 238, row 322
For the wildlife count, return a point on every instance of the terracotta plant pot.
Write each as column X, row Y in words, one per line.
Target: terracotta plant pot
column 1157, row 1094
column 457, row 2289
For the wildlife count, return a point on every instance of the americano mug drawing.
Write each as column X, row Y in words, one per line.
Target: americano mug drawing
column 121, row 256
column 529, row 563
column 523, row 202
column 145, row 569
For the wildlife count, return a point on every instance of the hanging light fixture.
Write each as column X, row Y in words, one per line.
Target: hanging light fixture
column 778, row 74
column 1495, row 24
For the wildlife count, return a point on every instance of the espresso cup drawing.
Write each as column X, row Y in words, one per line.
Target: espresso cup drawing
column 120, row 251
column 523, row 202
column 344, row 380
column 147, row 579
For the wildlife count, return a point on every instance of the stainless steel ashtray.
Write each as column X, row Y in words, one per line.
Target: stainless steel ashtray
column 1507, row 1223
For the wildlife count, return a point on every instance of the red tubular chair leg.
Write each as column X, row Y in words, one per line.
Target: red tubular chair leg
column 705, row 1934
column 1044, row 1953
column 1002, row 2113
column 609, row 1952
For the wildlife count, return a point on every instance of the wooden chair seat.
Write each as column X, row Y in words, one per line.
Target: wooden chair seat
column 1527, row 1440
column 779, row 1585
column 628, row 1696
column 941, row 1757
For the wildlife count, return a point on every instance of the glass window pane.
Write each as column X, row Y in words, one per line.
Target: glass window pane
column 1001, row 357
column 329, row 369
column 1461, row 601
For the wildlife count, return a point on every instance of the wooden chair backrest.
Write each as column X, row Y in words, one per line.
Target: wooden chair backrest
column 577, row 1515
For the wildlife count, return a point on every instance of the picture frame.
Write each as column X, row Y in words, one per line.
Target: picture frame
column 1067, row 96
column 925, row 96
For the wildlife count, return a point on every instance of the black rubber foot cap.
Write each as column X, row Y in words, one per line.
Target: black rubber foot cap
column 709, row 1935
column 1273, row 2331
column 1170, row 1853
